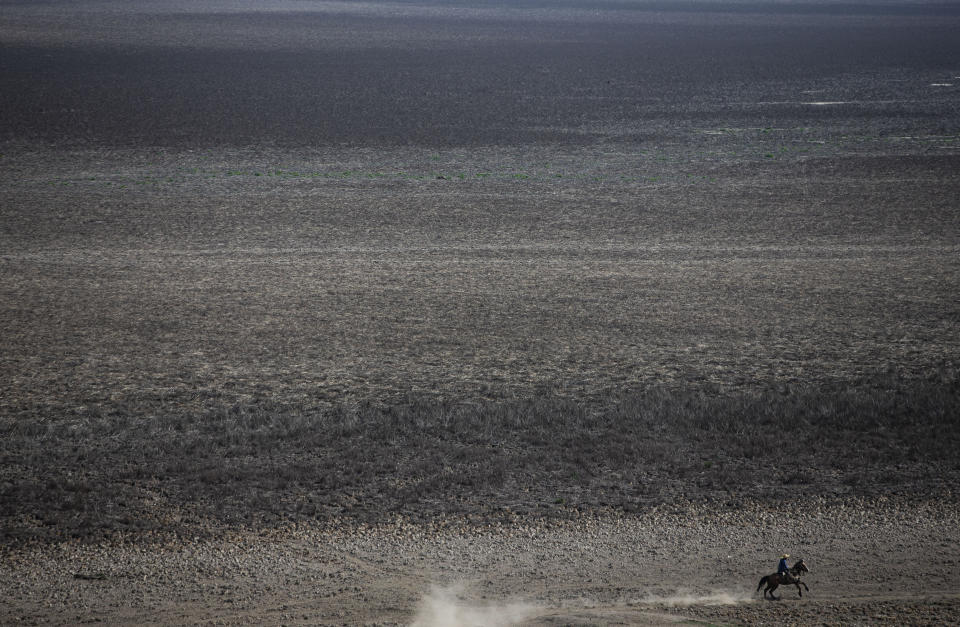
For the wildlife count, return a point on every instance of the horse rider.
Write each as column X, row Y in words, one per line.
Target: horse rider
column 782, row 569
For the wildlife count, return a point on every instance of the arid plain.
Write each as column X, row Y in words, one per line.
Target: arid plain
column 478, row 313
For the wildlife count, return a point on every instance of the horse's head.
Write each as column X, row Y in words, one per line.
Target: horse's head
column 800, row 567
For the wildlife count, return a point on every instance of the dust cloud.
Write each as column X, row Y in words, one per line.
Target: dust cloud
column 444, row 606
column 685, row 599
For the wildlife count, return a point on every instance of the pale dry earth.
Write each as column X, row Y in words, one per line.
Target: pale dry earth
column 872, row 562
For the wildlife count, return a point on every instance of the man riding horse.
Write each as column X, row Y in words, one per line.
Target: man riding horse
column 784, row 576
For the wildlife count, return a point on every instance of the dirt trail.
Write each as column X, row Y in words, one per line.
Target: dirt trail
column 877, row 562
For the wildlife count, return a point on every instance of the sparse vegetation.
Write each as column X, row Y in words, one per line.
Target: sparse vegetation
column 265, row 463
column 504, row 344
column 541, row 294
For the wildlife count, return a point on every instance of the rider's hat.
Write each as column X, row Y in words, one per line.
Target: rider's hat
column 784, row 556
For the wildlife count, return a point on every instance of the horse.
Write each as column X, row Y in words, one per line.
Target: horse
column 791, row 577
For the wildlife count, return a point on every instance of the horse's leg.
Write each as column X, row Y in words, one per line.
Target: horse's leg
column 773, row 586
column 799, row 591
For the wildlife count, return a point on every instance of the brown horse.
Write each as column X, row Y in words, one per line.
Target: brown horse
column 792, row 577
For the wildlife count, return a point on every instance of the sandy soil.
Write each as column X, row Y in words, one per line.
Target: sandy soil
column 871, row 562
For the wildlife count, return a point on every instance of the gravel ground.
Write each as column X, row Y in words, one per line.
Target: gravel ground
column 879, row 561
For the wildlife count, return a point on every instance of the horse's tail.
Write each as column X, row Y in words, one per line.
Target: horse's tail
column 763, row 580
